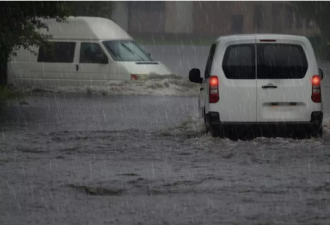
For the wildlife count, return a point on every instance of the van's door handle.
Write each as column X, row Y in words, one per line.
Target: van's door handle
column 77, row 67
column 269, row 86
column 201, row 89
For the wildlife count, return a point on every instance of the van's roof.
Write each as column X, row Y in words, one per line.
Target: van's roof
column 262, row 36
column 85, row 28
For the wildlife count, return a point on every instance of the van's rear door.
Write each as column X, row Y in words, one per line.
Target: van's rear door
column 284, row 71
column 237, row 79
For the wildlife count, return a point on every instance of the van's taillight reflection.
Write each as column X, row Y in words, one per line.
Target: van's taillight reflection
column 214, row 89
column 316, row 89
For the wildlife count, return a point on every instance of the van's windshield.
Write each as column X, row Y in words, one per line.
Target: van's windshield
column 125, row 50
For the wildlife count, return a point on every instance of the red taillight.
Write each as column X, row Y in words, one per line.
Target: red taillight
column 214, row 81
column 316, row 89
column 134, row 77
column 214, row 89
column 316, row 80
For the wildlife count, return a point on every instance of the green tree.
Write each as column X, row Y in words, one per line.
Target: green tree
column 18, row 24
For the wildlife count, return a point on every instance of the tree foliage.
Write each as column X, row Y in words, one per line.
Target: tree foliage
column 20, row 20
column 18, row 24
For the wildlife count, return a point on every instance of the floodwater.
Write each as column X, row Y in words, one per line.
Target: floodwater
column 98, row 157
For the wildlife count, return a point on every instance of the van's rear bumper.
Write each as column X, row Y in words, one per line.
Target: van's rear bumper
column 213, row 118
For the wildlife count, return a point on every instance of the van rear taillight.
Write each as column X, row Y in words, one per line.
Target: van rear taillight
column 134, row 77
column 214, row 89
column 316, row 89
column 316, row 80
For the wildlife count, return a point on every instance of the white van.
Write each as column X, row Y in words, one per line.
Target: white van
column 84, row 51
column 265, row 82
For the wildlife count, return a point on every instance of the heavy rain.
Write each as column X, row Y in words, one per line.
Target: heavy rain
column 103, row 120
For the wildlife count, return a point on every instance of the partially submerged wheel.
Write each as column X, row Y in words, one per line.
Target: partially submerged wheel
column 317, row 133
column 215, row 131
column 205, row 123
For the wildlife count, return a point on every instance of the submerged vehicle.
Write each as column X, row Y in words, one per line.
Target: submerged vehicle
column 83, row 51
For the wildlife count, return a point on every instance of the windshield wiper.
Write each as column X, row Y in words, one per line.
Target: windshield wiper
column 142, row 59
column 117, row 55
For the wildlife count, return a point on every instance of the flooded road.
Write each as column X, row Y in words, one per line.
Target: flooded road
column 105, row 158
column 81, row 159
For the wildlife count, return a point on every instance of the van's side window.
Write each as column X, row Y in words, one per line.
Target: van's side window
column 209, row 61
column 57, row 52
column 281, row 61
column 91, row 53
column 239, row 62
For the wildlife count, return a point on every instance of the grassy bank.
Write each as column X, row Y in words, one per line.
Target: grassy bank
column 8, row 93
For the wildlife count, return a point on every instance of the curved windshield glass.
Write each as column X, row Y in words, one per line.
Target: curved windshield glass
column 126, row 51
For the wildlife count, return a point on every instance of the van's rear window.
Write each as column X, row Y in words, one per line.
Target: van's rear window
column 239, row 62
column 281, row 61
column 57, row 52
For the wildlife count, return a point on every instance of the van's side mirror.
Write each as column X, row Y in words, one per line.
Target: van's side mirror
column 321, row 73
column 195, row 76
